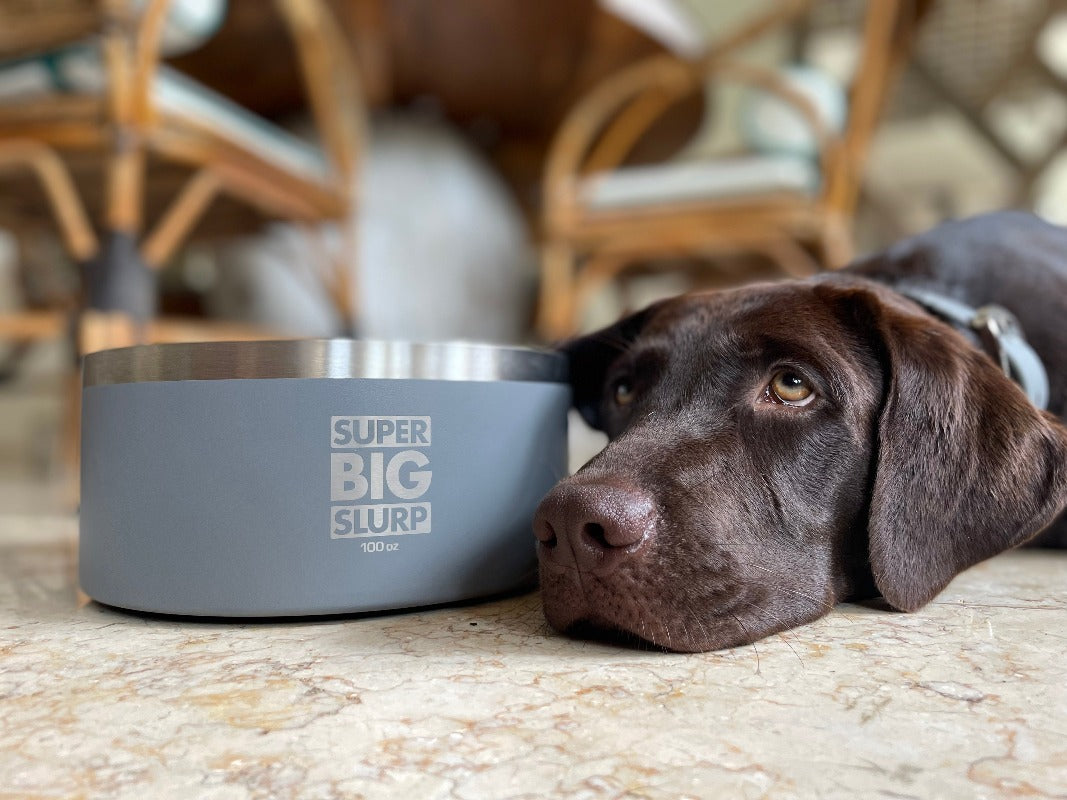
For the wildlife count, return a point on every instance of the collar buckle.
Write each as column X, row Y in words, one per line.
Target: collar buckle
column 1000, row 335
column 993, row 323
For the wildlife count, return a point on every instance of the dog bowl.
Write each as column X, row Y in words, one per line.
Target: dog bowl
column 314, row 477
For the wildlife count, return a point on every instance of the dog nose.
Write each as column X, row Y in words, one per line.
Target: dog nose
column 593, row 526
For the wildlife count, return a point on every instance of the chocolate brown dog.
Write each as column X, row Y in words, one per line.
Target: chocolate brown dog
column 778, row 448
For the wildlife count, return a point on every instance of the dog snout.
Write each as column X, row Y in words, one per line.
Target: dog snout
column 594, row 527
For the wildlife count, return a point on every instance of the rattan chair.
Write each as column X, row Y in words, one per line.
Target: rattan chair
column 114, row 101
column 796, row 213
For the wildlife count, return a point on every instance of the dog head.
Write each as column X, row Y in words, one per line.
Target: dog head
column 778, row 448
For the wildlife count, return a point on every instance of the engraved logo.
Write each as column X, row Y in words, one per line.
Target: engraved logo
column 378, row 465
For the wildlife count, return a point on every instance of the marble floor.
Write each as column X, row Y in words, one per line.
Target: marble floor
column 966, row 699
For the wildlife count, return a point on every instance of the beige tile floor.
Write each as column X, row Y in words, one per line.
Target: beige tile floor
column 965, row 699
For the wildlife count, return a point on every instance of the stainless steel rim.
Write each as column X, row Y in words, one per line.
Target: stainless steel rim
column 323, row 358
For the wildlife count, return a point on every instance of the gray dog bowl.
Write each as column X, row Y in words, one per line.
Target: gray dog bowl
column 314, row 477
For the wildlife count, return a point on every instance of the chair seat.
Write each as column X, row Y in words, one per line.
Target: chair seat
column 694, row 181
column 79, row 70
column 181, row 97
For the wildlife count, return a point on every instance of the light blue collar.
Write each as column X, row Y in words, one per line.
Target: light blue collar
column 1001, row 335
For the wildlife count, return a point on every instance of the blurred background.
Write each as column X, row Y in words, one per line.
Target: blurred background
column 495, row 170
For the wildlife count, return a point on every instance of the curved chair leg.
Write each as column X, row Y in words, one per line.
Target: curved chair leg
column 334, row 267
column 104, row 330
column 790, row 256
column 342, row 282
column 836, row 243
column 73, row 222
column 69, row 445
column 555, row 309
column 96, row 330
column 597, row 272
column 178, row 220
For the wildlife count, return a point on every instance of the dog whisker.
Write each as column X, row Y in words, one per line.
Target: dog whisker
column 704, row 630
column 824, row 604
column 766, row 611
column 821, row 603
column 748, row 636
column 685, row 630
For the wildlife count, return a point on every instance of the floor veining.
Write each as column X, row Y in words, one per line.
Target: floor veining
column 966, row 698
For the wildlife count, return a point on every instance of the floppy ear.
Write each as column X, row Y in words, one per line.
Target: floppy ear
column 591, row 356
column 966, row 466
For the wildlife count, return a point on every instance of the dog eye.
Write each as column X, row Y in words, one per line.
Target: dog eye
column 624, row 392
column 791, row 388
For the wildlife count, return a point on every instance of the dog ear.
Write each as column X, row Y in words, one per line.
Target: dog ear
column 590, row 358
column 966, row 466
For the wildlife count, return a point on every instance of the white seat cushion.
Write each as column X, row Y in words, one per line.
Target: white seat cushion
column 667, row 21
column 78, row 70
column 694, row 181
column 769, row 124
column 175, row 94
